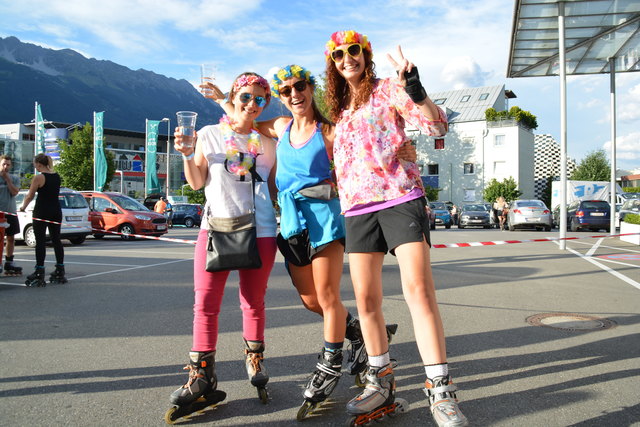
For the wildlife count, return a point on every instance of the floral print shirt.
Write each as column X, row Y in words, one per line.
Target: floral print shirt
column 366, row 145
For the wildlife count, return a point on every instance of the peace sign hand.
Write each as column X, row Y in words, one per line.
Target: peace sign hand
column 402, row 66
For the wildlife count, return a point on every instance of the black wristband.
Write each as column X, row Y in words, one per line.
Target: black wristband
column 413, row 87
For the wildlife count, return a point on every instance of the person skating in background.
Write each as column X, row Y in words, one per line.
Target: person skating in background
column 9, row 188
column 384, row 207
column 223, row 155
column 47, row 185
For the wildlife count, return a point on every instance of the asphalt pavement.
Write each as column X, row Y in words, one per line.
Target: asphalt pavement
column 536, row 336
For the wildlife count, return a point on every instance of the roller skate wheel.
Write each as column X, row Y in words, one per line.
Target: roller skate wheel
column 263, row 395
column 402, row 406
column 361, row 379
column 305, row 410
column 169, row 415
column 351, row 421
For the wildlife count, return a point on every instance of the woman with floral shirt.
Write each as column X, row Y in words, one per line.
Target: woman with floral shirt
column 382, row 198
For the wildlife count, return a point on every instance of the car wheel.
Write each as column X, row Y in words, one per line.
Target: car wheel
column 126, row 231
column 573, row 225
column 98, row 236
column 189, row 223
column 460, row 226
column 448, row 226
column 30, row 237
column 547, row 228
column 78, row 240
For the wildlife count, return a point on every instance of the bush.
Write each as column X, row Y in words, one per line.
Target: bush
column 632, row 219
column 631, row 189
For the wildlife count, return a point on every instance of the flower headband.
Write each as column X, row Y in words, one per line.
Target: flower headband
column 248, row 80
column 287, row 72
column 346, row 37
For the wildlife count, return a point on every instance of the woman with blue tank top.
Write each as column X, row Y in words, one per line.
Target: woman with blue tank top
column 311, row 226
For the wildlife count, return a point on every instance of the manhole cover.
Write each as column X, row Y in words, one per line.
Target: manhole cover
column 570, row 322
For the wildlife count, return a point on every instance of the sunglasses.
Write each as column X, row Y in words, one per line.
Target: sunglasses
column 245, row 98
column 285, row 91
column 354, row 50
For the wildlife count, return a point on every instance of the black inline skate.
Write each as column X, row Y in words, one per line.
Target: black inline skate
column 255, row 369
column 200, row 391
column 58, row 275
column 10, row 269
column 441, row 393
column 36, row 279
column 357, row 359
column 322, row 382
column 377, row 400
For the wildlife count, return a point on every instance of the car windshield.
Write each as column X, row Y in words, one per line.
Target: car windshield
column 631, row 205
column 595, row 204
column 440, row 206
column 530, row 204
column 128, row 203
column 72, row 201
column 474, row 208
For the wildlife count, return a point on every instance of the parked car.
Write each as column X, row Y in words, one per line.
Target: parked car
column 589, row 214
column 443, row 217
column 122, row 214
column 529, row 214
column 150, row 201
column 187, row 214
column 475, row 215
column 631, row 206
column 432, row 217
column 75, row 218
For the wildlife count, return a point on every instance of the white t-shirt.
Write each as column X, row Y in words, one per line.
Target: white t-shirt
column 228, row 196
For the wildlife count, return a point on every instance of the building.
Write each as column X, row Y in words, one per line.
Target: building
column 547, row 162
column 475, row 151
column 128, row 147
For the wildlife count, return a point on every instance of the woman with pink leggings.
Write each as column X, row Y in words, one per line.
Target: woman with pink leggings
column 225, row 158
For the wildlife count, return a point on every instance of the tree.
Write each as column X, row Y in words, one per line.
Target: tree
column 508, row 189
column 76, row 160
column 318, row 94
column 546, row 194
column 194, row 196
column 431, row 193
column 594, row 167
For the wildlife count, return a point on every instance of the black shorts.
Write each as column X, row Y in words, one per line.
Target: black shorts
column 385, row 230
column 14, row 225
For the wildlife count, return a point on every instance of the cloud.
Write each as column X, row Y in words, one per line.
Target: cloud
column 626, row 146
column 463, row 72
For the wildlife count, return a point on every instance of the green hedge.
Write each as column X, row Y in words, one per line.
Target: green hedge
column 632, row 219
column 631, row 189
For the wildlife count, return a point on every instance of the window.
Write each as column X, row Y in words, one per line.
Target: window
column 432, row 169
column 483, row 96
column 465, row 98
column 439, row 144
column 498, row 140
column 439, row 101
column 469, row 169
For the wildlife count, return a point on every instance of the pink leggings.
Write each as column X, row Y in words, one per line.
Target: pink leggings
column 209, row 290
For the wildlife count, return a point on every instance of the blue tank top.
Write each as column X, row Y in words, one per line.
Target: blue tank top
column 304, row 166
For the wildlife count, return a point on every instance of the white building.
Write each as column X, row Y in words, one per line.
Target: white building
column 475, row 151
column 547, row 162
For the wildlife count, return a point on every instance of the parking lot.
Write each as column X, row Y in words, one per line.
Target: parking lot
column 535, row 336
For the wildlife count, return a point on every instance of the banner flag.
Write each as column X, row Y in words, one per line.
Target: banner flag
column 99, row 158
column 39, row 146
column 151, row 171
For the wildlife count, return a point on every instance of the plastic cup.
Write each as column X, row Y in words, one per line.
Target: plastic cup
column 207, row 75
column 187, row 125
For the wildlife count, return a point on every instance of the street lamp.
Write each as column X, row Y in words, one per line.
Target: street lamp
column 182, row 189
column 166, row 119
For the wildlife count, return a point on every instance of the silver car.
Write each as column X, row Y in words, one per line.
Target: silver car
column 529, row 214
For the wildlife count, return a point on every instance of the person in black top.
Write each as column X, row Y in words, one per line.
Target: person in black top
column 47, row 185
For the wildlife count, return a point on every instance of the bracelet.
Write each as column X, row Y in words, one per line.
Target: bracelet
column 189, row 157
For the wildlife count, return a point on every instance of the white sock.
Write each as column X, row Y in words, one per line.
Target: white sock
column 433, row 371
column 379, row 361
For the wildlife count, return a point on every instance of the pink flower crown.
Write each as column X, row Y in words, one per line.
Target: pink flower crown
column 346, row 37
column 248, row 80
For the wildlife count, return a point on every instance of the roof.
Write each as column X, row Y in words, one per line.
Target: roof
column 595, row 30
column 469, row 105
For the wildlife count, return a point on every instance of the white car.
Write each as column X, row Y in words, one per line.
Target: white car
column 75, row 218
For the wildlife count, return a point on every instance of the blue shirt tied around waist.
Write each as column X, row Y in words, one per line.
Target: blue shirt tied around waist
column 304, row 167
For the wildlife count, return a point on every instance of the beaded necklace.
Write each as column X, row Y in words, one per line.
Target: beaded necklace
column 239, row 162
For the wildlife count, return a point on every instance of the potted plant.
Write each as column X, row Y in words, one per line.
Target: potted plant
column 631, row 224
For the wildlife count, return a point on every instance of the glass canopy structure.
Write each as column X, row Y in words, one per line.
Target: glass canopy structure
column 561, row 37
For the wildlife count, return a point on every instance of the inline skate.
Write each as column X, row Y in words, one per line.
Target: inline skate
column 441, row 393
column 255, row 369
column 36, row 279
column 377, row 400
column 357, row 359
column 200, row 391
column 58, row 275
column 10, row 269
column 322, row 382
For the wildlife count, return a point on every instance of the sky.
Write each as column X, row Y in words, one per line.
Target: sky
column 454, row 43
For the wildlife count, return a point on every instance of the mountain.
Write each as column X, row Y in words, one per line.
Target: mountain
column 71, row 87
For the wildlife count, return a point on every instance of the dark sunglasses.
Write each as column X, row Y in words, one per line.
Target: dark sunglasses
column 245, row 98
column 285, row 91
column 354, row 50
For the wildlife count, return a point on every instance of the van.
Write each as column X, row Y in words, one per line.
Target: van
column 75, row 218
column 123, row 215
